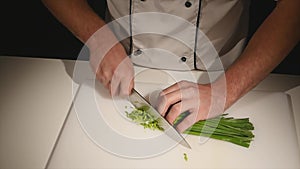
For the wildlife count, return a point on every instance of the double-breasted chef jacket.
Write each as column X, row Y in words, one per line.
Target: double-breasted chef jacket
column 181, row 34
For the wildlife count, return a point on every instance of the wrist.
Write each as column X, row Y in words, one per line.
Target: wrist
column 223, row 90
column 215, row 96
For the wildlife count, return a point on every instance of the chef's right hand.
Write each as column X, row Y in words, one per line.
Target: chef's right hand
column 110, row 63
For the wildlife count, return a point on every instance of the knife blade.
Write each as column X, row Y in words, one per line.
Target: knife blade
column 138, row 100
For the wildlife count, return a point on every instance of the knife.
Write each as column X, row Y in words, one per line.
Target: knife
column 138, row 100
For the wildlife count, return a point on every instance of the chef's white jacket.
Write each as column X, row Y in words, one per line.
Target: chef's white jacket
column 181, row 34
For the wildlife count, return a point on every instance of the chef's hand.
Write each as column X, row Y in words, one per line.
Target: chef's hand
column 192, row 97
column 112, row 66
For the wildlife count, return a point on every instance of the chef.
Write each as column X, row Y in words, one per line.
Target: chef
column 183, row 35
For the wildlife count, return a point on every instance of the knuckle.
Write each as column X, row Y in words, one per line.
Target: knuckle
column 182, row 83
column 99, row 71
column 106, row 74
column 170, row 118
column 163, row 98
column 100, row 78
column 161, row 94
column 176, row 108
column 162, row 107
column 190, row 90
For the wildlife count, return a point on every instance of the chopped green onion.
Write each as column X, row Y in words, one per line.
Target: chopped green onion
column 142, row 116
column 185, row 157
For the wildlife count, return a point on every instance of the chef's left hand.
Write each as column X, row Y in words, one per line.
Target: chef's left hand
column 195, row 98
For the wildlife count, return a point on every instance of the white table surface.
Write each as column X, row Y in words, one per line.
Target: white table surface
column 35, row 98
column 294, row 94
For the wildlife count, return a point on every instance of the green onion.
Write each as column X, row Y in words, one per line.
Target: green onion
column 142, row 116
column 185, row 157
column 236, row 131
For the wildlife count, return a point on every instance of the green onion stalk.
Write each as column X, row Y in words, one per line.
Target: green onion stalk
column 236, row 131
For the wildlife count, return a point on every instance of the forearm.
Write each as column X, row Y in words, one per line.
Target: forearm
column 77, row 16
column 271, row 43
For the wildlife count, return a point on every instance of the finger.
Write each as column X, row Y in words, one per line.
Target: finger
column 187, row 122
column 170, row 89
column 153, row 98
column 165, row 101
column 103, row 78
column 115, row 85
column 125, row 72
column 107, row 75
column 127, row 83
column 176, row 86
column 175, row 111
column 187, row 93
column 131, row 86
column 100, row 78
column 108, row 86
column 126, row 87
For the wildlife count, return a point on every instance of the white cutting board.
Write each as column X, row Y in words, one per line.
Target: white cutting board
column 274, row 146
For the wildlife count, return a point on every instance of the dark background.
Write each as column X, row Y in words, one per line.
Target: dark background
column 28, row 29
